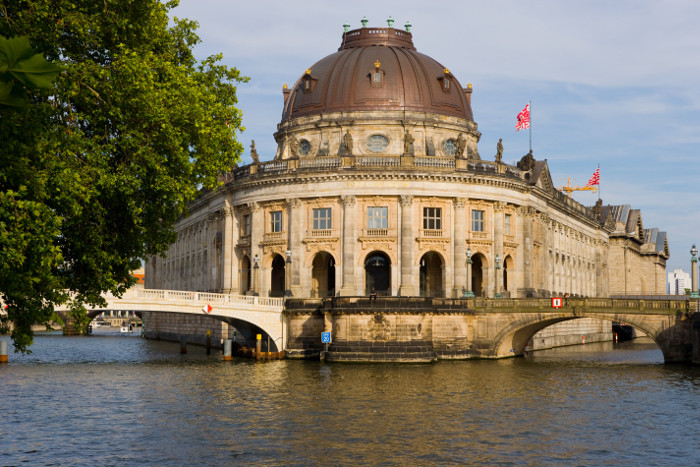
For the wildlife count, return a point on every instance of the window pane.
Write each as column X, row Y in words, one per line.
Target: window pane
column 322, row 219
column 477, row 221
column 507, row 224
column 432, row 218
column 377, row 217
column 276, row 221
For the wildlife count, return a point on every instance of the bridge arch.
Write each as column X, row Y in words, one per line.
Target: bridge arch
column 514, row 336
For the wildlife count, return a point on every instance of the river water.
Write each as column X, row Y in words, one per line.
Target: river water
column 115, row 399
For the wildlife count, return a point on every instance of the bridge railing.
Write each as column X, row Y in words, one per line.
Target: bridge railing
column 203, row 297
column 639, row 305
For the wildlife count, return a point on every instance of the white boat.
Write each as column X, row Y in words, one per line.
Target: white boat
column 126, row 327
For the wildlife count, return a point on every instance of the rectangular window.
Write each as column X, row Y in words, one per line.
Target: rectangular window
column 276, row 221
column 246, row 225
column 477, row 221
column 322, row 219
column 506, row 224
column 377, row 217
column 432, row 218
column 377, row 77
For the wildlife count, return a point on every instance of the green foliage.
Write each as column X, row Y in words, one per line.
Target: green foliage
column 96, row 170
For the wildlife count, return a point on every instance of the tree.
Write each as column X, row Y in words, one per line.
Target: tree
column 95, row 171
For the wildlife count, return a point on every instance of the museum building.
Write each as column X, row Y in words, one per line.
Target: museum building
column 378, row 183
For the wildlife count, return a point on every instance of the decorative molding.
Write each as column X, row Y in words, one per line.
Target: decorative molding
column 406, row 200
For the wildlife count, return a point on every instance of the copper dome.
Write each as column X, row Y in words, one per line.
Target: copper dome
column 346, row 80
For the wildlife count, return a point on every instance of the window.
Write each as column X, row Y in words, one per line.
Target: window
column 506, row 224
column 432, row 218
column 377, row 217
column 447, row 83
column 304, row 147
column 450, row 147
column 246, row 225
column 322, row 219
column 377, row 143
column 276, row 221
column 377, row 77
column 477, row 221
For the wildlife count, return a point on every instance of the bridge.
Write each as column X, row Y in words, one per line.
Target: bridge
column 488, row 328
column 241, row 311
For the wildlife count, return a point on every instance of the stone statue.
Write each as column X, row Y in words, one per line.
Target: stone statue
column 597, row 209
column 407, row 141
column 461, row 145
column 527, row 163
column 499, row 150
column 347, row 143
column 294, row 147
column 254, row 152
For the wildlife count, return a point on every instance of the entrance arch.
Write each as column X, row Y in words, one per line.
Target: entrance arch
column 244, row 276
column 378, row 273
column 323, row 275
column 277, row 277
column 478, row 275
column 431, row 268
column 508, row 276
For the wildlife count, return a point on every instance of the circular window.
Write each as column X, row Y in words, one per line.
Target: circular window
column 377, row 143
column 450, row 147
column 304, row 147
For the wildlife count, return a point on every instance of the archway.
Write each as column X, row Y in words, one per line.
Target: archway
column 378, row 273
column 277, row 277
column 478, row 275
column 431, row 275
column 508, row 276
column 323, row 275
column 244, row 276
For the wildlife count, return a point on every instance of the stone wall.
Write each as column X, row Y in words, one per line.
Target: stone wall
column 574, row 332
column 170, row 326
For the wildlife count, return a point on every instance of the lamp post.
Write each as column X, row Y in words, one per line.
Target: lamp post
column 498, row 268
column 469, row 293
column 288, row 273
column 256, row 266
column 694, row 272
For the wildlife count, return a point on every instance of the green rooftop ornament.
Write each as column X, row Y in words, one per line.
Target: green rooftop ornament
column 364, row 21
column 408, row 26
column 390, row 22
column 346, row 26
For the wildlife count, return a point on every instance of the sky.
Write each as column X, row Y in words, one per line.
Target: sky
column 611, row 83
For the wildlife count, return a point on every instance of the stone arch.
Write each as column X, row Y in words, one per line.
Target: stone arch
column 323, row 274
column 277, row 276
column 431, row 269
column 244, row 275
column 508, row 276
column 511, row 340
column 478, row 284
column 378, row 273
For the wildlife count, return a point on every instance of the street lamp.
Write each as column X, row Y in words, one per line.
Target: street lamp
column 287, row 274
column 256, row 265
column 498, row 267
column 694, row 272
column 469, row 293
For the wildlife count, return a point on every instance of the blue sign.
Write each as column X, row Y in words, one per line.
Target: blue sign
column 325, row 337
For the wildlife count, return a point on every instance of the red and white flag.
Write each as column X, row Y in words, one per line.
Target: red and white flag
column 523, row 119
column 595, row 178
column 207, row 308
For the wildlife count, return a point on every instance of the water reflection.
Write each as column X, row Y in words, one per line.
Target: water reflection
column 117, row 399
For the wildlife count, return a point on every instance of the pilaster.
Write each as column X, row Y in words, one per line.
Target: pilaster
column 459, row 249
column 349, row 240
column 408, row 277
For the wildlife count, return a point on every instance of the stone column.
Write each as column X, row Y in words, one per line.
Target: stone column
column 528, row 290
column 348, row 247
column 297, row 226
column 693, row 272
column 460, row 256
column 498, row 246
column 408, row 275
column 257, row 232
column 227, row 250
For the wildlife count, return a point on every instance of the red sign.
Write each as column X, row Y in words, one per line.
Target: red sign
column 207, row 308
column 556, row 302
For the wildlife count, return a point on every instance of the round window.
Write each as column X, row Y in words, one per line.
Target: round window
column 304, row 147
column 377, row 143
column 450, row 147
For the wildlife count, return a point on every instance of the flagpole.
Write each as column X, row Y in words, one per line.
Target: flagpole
column 530, row 106
column 598, row 181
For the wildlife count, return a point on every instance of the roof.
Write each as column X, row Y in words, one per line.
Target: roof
column 408, row 80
